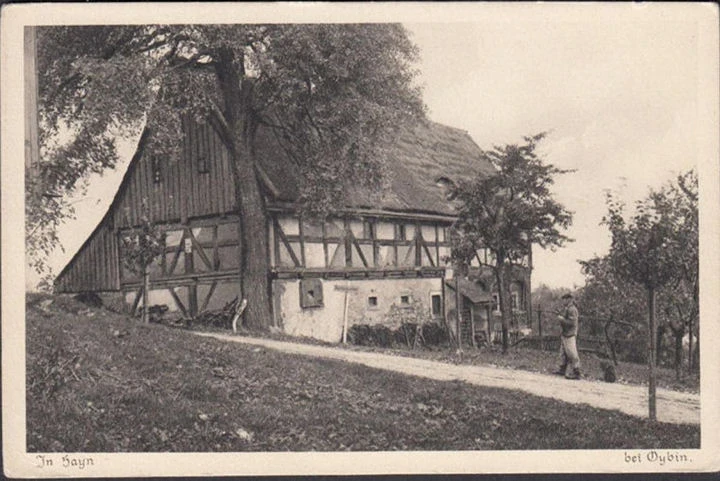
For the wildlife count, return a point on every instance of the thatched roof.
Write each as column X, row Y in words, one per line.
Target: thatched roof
column 419, row 158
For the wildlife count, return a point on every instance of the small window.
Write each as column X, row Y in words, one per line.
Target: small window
column 368, row 230
column 311, row 293
column 405, row 300
column 156, row 162
column 436, row 305
column 401, row 232
column 203, row 165
column 496, row 302
column 372, row 302
column 515, row 301
column 202, row 144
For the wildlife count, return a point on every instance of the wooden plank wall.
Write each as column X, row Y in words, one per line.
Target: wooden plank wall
column 183, row 191
column 95, row 267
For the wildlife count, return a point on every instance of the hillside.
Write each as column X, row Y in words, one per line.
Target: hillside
column 119, row 385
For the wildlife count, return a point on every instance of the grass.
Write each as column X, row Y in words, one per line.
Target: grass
column 122, row 386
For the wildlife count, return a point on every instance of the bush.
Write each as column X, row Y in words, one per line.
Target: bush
column 379, row 335
column 435, row 334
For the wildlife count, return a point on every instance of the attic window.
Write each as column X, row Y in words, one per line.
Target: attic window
column 373, row 302
column 401, row 232
column 368, row 230
column 156, row 162
column 202, row 144
column 203, row 165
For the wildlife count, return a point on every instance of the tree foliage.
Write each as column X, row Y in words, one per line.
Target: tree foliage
column 140, row 249
column 508, row 212
column 143, row 246
column 617, row 290
column 609, row 296
column 658, row 245
column 334, row 95
column 656, row 248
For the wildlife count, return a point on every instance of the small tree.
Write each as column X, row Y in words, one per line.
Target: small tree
column 655, row 248
column 141, row 248
column 507, row 212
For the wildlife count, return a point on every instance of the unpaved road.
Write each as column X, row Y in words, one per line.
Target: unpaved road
column 672, row 406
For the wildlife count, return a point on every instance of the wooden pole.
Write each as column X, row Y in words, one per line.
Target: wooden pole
column 345, row 319
column 652, row 408
column 346, row 289
column 690, row 345
column 472, row 326
column 32, row 147
column 542, row 341
column 458, row 317
column 146, row 294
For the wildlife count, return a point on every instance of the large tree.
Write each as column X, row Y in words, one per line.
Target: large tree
column 334, row 94
column 657, row 247
column 508, row 212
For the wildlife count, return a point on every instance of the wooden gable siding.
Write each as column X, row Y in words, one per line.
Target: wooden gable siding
column 198, row 183
column 95, row 267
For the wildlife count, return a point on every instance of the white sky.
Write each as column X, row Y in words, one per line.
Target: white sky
column 619, row 98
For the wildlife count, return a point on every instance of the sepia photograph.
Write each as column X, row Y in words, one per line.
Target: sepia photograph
column 359, row 239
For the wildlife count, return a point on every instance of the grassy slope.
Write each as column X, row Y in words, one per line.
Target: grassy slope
column 121, row 386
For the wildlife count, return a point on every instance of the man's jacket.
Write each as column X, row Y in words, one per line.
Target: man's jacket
column 569, row 321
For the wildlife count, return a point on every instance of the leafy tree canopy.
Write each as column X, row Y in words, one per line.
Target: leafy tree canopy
column 511, row 210
column 333, row 94
column 507, row 212
column 658, row 244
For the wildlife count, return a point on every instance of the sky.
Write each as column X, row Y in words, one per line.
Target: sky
column 618, row 98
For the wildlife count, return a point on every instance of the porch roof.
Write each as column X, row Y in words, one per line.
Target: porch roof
column 472, row 290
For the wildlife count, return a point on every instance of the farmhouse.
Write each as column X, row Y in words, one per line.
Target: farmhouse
column 350, row 269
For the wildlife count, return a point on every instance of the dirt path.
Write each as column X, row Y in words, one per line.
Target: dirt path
column 672, row 406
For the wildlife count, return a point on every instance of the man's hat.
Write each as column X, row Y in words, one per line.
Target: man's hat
column 567, row 296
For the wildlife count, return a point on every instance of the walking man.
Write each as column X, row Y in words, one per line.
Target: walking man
column 569, row 358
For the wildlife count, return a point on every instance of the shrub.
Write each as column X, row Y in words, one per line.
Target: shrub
column 380, row 335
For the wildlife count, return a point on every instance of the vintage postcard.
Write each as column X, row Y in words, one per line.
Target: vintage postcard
column 362, row 238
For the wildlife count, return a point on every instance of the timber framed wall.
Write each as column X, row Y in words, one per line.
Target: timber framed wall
column 391, row 253
column 358, row 245
column 198, row 270
column 189, row 191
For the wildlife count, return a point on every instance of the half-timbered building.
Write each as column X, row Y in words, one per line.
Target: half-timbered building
column 325, row 276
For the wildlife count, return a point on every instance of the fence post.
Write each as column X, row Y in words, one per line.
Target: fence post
column 542, row 341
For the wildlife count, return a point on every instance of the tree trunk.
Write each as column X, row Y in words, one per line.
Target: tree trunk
column 659, row 342
column 651, row 354
column 500, row 276
column 458, row 312
column 678, row 353
column 146, row 294
column 690, row 345
column 254, row 270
